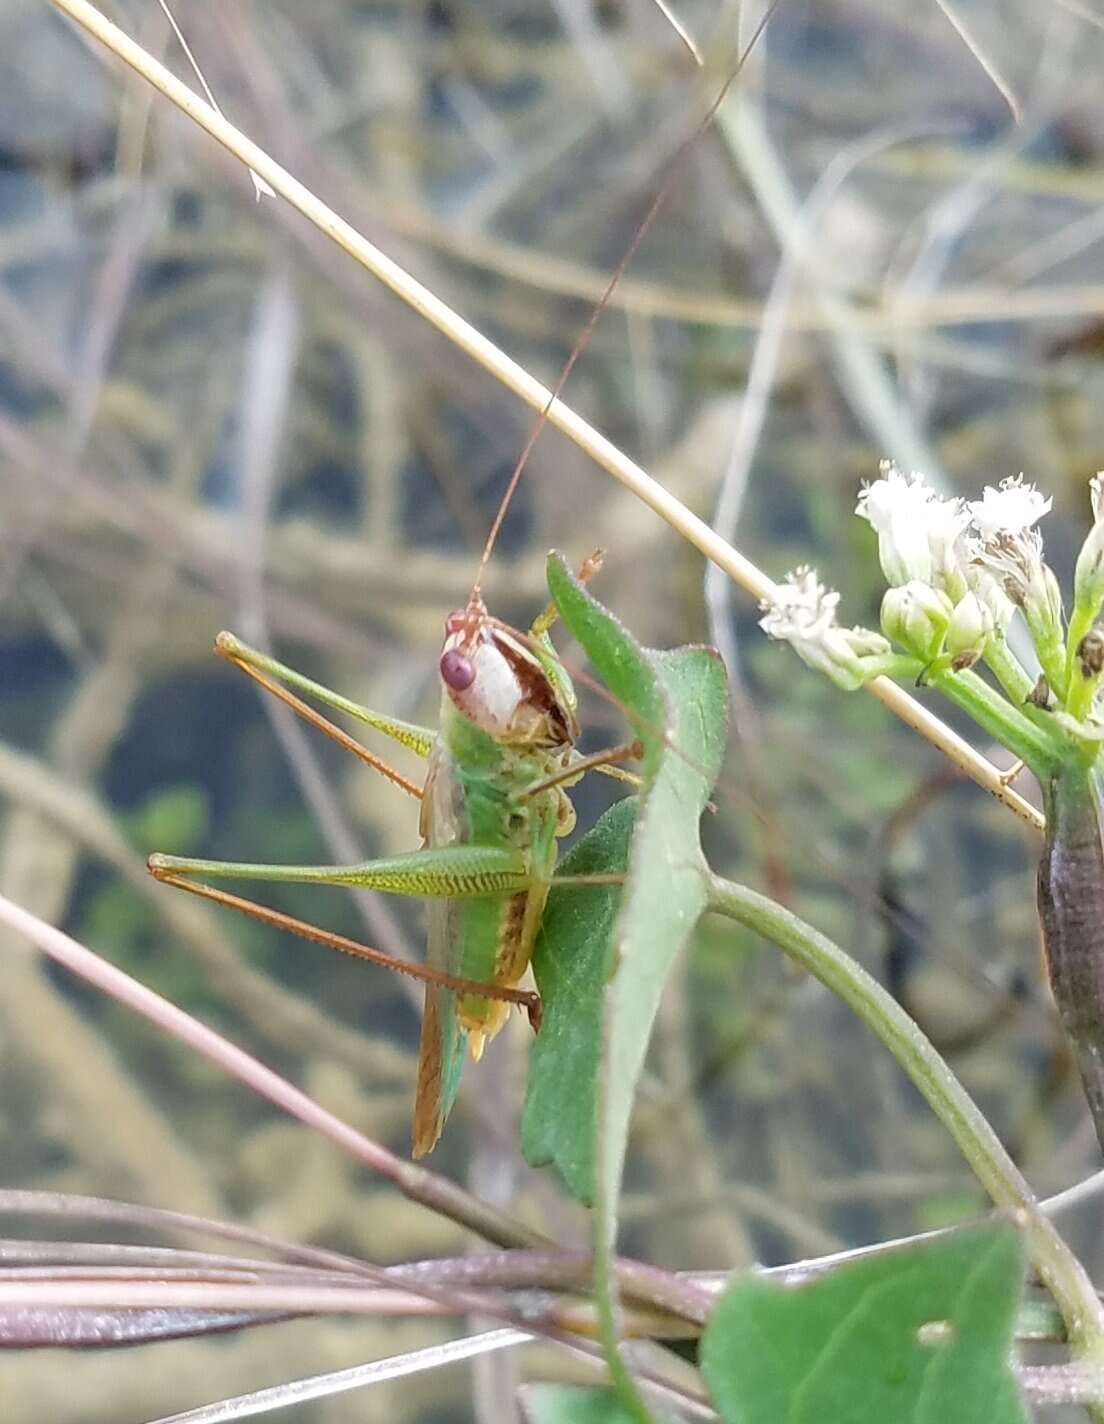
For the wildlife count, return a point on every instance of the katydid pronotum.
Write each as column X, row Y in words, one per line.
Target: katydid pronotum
column 492, row 807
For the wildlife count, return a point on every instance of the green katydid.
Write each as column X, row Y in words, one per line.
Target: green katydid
column 494, row 801
column 493, row 805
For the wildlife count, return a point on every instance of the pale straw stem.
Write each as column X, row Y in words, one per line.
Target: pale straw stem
column 515, row 378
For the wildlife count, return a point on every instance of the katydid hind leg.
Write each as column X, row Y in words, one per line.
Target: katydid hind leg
column 330, row 729
column 434, row 978
column 456, row 872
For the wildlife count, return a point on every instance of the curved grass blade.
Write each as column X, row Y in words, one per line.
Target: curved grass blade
column 266, row 1401
column 96, row 1328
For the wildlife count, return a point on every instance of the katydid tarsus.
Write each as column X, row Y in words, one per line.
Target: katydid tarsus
column 493, row 803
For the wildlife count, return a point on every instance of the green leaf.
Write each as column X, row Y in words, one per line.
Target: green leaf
column 917, row 1336
column 573, row 1404
column 572, row 960
column 620, row 660
column 176, row 818
column 678, row 705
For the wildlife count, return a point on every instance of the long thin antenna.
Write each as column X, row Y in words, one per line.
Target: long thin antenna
column 673, row 171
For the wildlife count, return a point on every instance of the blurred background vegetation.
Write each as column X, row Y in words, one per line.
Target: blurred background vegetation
column 209, row 417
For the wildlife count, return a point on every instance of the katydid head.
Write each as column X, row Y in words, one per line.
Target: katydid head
column 501, row 681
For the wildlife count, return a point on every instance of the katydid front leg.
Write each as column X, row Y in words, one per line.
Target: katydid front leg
column 418, row 739
column 265, row 671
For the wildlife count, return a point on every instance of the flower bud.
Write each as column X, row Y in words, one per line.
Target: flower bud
column 970, row 628
column 896, row 508
column 993, row 596
column 1043, row 608
column 802, row 612
column 1088, row 578
column 865, row 643
column 916, row 617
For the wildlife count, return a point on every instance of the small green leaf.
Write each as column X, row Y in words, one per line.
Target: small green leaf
column 174, row 818
column 572, row 1404
column 620, row 660
column 683, row 694
column 574, row 956
column 916, row 1336
column 571, row 963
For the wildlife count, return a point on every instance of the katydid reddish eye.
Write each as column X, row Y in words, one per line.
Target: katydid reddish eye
column 456, row 670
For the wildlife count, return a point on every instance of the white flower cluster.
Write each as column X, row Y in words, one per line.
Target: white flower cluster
column 957, row 572
column 803, row 614
column 986, row 546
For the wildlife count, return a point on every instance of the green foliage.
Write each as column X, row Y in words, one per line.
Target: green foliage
column 573, row 1404
column 619, row 659
column 114, row 916
column 572, row 961
column 665, row 891
column 678, row 705
column 917, row 1336
column 175, row 818
column 575, row 955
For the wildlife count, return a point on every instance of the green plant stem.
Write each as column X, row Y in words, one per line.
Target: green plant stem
column 1009, row 671
column 1051, row 648
column 1016, row 682
column 996, row 715
column 1058, row 1267
column 903, row 667
column 1080, row 690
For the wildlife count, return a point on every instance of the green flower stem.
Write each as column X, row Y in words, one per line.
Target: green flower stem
column 1041, row 751
column 1078, row 689
column 1081, row 692
column 902, row 667
column 1052, row 655
column 1015, row 680
column 1006, row 667
column 1058, row 1267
